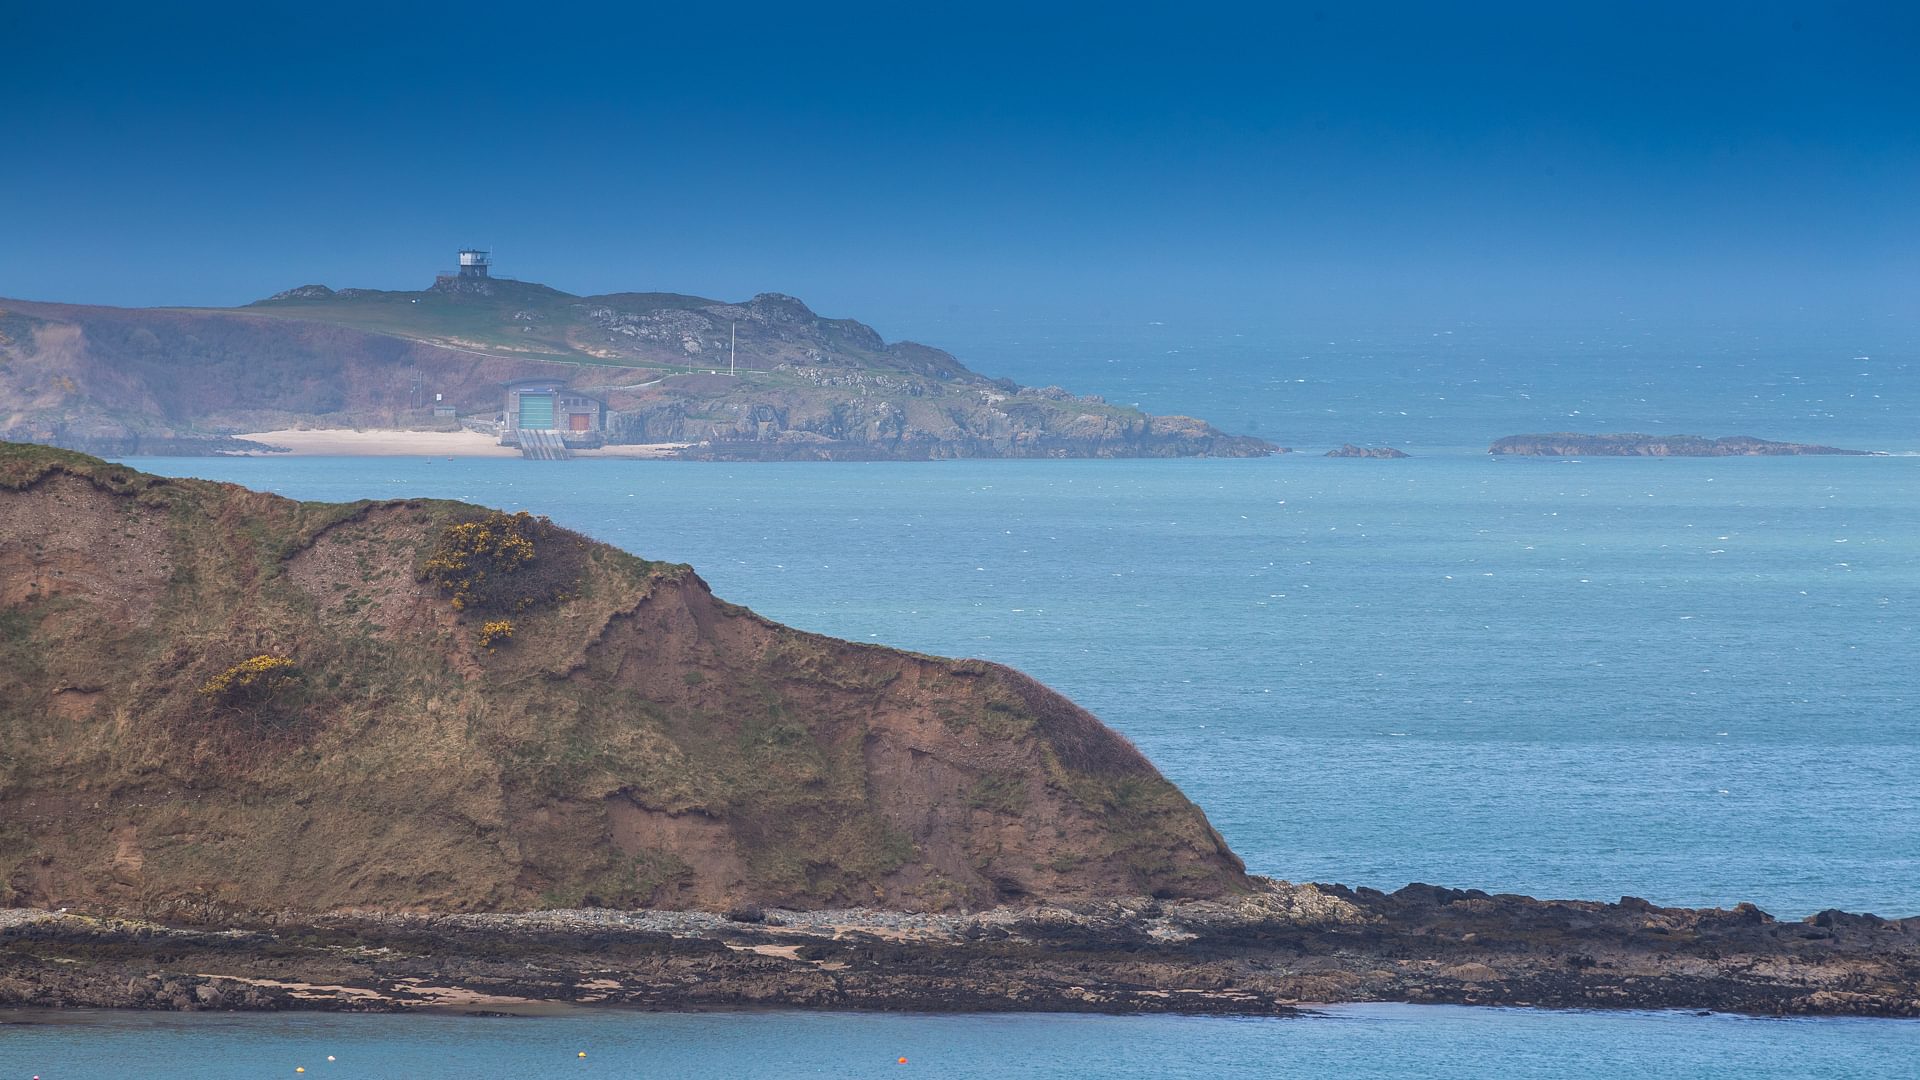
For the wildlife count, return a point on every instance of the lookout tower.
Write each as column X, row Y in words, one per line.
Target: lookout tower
column 473, row 263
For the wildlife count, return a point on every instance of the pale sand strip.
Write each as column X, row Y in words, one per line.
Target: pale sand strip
column 347, row 442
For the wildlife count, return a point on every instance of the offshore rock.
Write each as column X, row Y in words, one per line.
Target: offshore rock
column 1568, row 444
column 1349, row 450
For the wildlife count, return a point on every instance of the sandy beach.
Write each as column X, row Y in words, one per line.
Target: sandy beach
column 348, row 442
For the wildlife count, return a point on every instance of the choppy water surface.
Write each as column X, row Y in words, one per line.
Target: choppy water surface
column 1688, row 680
column 1691, row 681
column 1358, row 1042
column 1451, row 383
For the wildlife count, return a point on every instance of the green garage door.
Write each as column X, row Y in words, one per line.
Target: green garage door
column 536, row 411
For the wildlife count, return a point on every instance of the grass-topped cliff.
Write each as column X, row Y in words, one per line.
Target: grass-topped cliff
column 123, row 380
column 216, row 699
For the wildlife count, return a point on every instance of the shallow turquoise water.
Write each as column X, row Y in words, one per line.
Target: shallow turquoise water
column 1689, row 680
column 1356, row 1042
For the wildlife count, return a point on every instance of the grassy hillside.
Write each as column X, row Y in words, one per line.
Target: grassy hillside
column 643, row 330
column 216, row 699
column 128, row 381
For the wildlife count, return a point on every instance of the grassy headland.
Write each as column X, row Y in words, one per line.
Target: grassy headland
column 800, row 386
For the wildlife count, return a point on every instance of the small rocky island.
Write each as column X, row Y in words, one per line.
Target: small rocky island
column 1571, row 444
column 266, row 754
column 1350, row 450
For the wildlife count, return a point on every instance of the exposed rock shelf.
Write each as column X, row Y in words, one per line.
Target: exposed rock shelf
column 1277, row 949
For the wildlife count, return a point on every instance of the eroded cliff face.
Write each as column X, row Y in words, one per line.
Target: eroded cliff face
column 636, row 742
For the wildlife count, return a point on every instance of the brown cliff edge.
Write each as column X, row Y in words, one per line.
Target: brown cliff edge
column 213, row 699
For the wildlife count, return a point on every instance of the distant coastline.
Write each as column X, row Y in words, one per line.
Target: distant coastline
column 765, row 379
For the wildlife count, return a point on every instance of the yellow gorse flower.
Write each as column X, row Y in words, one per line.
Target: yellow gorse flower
column 471, row 550
column 263, row 671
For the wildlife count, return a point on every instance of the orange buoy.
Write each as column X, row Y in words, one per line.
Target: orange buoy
column 902, row 1061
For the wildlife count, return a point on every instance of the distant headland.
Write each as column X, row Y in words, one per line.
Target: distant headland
column 1571, row 444
column 542, row 372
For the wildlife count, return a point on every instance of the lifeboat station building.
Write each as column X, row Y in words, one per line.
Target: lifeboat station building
column 545, row 410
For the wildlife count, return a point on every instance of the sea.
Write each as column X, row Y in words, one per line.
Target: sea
column 1688, row 680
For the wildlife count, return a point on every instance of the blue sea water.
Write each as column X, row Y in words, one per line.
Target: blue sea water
column 1688, row 680
column 1358, row 1042
column 1457, row 382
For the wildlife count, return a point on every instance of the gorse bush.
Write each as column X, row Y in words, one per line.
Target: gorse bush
column 505, row 563
column 252, row 679
column 495, row 631
column 471, row 552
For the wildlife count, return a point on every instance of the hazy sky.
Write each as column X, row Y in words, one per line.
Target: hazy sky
column 1277, row 162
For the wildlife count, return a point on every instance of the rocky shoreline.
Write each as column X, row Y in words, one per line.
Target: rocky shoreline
column 1271, row 953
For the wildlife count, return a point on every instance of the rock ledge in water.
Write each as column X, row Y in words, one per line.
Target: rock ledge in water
column 1632, row 444
column 1349, row 450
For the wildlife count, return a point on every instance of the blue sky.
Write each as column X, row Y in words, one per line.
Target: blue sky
column 1366, row 162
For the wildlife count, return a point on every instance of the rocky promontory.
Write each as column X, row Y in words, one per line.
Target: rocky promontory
column 1570, row 444
column 213, row 699
column 266, row 754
